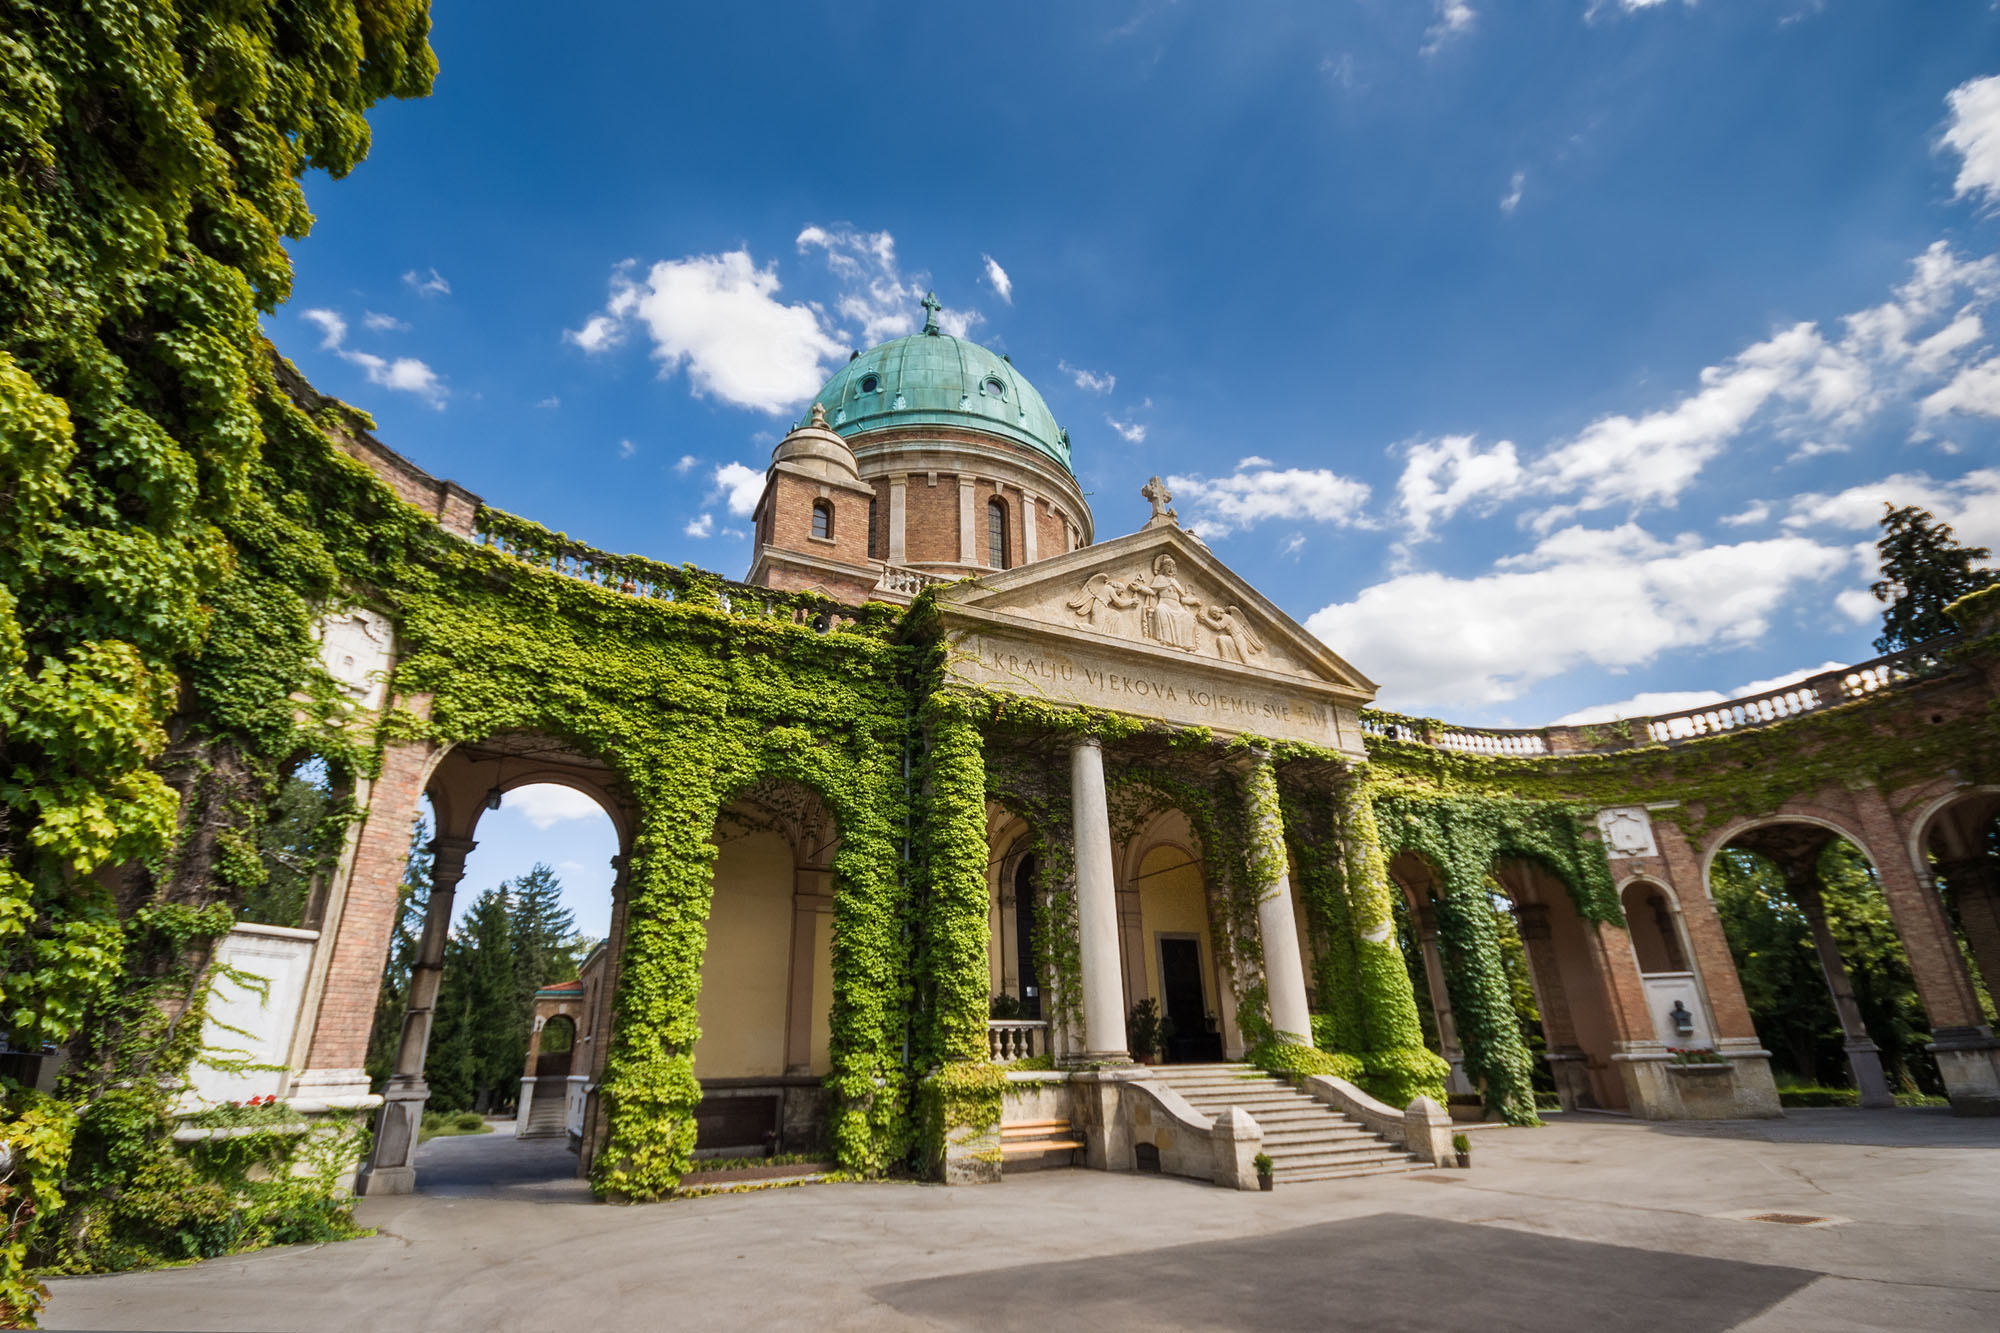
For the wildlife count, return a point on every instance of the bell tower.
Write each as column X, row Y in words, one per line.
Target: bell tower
column 813, row 522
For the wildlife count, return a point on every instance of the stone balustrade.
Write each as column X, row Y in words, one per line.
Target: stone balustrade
column 906, row 582
column 1826, row 690
column 1010, row 1039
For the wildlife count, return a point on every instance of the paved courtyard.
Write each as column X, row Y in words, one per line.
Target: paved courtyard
column 1590, row 1223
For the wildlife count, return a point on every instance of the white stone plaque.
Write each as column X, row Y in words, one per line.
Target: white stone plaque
column 356, row 648
column 1627, row 831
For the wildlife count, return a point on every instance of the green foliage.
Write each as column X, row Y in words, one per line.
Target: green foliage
column 1291, row 1060
column 1262, row 1164
column 446, row 1124
column 155, row 155
column 1925, row 568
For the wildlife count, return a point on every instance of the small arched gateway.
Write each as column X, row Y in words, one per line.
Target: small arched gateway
column 926, row 807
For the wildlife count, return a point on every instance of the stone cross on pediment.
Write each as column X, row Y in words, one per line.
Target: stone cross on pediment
column 1155, row 491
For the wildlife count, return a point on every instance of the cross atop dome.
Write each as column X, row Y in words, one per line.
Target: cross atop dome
column 931, row 307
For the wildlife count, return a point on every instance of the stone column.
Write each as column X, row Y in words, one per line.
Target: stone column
column 1974, row 886
column 899, row 511
column 1568, row 1062
column 1096, row 906
column 390, row 1169
column 1029, row 551
column 1454, row 1054
column 968, row 526
column 809, row 899
column 1864, row 1057
column 1277, row 925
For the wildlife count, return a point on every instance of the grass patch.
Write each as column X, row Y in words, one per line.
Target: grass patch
column 446, row 1124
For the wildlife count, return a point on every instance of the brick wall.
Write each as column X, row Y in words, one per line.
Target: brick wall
column 787, row 509
column 368, row 914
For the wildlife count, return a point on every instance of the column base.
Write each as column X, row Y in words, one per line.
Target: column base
column 391, row 1166
column 1969, row 1061
column 1864, row 1061
column 386, row 1180
column 1571, row 1071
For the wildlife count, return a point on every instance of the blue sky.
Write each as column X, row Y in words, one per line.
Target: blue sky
column 1540, row 357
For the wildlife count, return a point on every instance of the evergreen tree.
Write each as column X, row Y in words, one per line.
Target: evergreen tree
column 298, row 844
column 544, row 932
column 1924, row 569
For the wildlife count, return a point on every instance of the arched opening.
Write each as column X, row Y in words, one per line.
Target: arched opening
column 1022, row 1013
column 823, row 520
column 1960, row 843
column 1656, row 936
column 997, row 546
column 1824, row 971
column 1175, row 982
column 1551, row 966
column 1415, row 909
column 766, row 998
column 299, row 843
column 511, row 895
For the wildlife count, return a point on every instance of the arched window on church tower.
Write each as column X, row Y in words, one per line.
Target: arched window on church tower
column 823, row 520
column 874, row 549
column 996, row 533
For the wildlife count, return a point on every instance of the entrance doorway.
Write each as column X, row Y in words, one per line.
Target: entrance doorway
column 1188, row 1039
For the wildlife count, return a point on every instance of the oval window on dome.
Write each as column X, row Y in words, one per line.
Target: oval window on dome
column 870, row 383
column 993, row 388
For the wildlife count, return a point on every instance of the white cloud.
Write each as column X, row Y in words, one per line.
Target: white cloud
column 1614, row 598
column 1256, row 491
column 740, row 487
column 1971, row 504
column 1447, row 474
column 1132, row 432
column 1858, row 605
column 1974, row 134
column 551, row 402
column 1814, row 448
column 1674, row 701
column 1757, row 512
column 404, row 374
column 599, row 333
column 717, row 316
column 332, row 328
column 545, row 804
column 700, row 527
column 626, row 449
column 997, row 276
column 1294, row 545
column 1975, row 391
column 1512, row 199
column 1088, row 380
column 382, row 323
column 875, row 294
column 1453, row 18
column 427, row 282
column 685, row 465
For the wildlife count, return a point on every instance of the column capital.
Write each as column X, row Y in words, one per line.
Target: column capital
column 448, row 859
column 1087, row 742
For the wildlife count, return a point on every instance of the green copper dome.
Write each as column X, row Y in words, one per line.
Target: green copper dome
column 933, row 379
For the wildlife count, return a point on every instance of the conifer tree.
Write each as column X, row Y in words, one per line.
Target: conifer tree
column 1925, row 568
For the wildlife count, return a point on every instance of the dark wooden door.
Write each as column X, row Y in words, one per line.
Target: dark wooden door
column 1186, row 1009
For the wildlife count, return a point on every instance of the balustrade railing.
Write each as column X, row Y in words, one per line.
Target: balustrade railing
column 1804, row 696
column 1015, row 1039
column 635, row 576
column 908, row 582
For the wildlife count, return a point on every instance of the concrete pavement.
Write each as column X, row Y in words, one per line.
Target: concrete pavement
column 1588, row 1223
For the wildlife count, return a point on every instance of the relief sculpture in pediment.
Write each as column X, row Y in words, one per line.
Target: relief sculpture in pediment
column 1169, row 613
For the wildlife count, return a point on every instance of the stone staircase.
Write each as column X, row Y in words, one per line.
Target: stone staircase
column 547, row 1113
column 1305, row 1139
column 1033, row 1145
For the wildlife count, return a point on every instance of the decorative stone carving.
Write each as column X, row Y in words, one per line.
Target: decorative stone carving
column 1627, row 831
column 1170, row 613
column 1156, row 493
column 356, row 648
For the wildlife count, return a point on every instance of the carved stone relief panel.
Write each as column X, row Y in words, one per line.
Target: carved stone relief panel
column 1156, row 603
column 356, row 647
column 1627, row 831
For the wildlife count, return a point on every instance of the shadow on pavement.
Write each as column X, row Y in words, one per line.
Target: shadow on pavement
column 500, row 1166
column 1389, row 1271
column 1900, row 1127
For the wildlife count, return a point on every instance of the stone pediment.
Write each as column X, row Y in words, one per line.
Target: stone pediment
column 1155, row 625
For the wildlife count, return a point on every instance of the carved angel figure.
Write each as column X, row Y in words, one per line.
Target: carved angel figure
column 1234, row 639
column 1101, row 590
column 1169, row 617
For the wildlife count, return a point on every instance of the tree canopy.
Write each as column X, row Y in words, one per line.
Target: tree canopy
column 1925, row 568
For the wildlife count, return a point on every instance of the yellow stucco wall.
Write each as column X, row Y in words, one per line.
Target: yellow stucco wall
column 745, row 973
column 1173, row 901
column 822, row 993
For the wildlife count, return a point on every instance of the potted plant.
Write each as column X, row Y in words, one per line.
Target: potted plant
column 1142, row 1030
column 1462, row 1145
column 1262, row 1161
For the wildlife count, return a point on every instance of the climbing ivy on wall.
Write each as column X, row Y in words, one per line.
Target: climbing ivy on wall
column 154, row 155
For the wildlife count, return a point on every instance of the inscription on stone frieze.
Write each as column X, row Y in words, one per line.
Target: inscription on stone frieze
column 1184, row 694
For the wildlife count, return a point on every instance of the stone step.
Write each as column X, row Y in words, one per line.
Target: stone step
column 1329, row 1154
column 1342, row 1133
column 1347, row 1173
